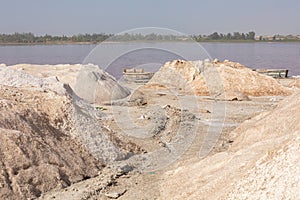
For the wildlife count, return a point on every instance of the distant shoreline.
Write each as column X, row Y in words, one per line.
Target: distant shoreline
column 137, row 41
column 98, row 38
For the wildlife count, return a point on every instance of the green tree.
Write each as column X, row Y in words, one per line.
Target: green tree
column 214, row 36
column 236, row 36
column 228, row 36
column 251, row 35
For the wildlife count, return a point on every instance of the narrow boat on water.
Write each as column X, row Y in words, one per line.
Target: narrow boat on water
column 136, row 75
column 275, row 73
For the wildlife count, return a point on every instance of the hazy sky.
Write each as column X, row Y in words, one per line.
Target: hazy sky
column 69, row 17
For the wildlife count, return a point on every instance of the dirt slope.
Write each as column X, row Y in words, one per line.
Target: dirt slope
column 37, row 152
column 208, row 78
column 49, row 138
column 263, row 162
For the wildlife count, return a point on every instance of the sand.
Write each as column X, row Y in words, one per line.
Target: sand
column 89, row 81
column 209, row 78
column 181, row 136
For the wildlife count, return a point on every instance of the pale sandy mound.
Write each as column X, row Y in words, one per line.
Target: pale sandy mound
column 84, row 119
column 37, row 152
column 208, row 78
column 20, row 79
column 262, row 163
column 95, row 85
column 88, row 81
column 48, row 139
column 65, row 73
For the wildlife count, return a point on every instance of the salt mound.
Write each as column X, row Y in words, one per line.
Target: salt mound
column 20, row 79
column 88, row 81
column 65, row 73
column 84, row 117
column 95, row 85
column 212, row 78
column 263, row 162
column 48, row 138
column 38, row 151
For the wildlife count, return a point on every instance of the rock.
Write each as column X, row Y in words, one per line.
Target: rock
column 115, row 195
column 95, row 85
column 126, row 168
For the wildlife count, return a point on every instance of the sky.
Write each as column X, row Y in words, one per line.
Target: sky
column 68, row 17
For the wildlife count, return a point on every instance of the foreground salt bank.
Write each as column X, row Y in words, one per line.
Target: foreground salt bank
column 55, row 137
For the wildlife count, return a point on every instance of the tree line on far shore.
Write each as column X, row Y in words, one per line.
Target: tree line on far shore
column 30, row 38
column 228, row 36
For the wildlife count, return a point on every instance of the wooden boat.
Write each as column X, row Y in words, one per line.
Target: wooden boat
column 275, row 73
column 137, row 75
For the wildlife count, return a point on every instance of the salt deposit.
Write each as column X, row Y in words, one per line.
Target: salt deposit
column 208, row 78
column 89, row 81
column 263, row 162
column 49, row 139
column 95, row 85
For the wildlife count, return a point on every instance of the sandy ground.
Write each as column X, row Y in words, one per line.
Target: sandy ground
column 158, row 143
column 145, row 182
